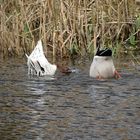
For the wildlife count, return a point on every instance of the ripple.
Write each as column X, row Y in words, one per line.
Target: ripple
column 67, row 107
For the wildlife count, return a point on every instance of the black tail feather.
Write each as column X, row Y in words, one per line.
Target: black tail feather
column 104, row 52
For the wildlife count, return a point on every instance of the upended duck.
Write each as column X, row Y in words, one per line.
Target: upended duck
column 38, row 64
column 102, row 66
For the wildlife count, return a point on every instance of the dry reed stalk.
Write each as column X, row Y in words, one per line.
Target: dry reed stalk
column 119, row 16
column 44, row 24
column 65, row 25
column 102, row 27
column 63, row 10
column 26, row 19
column 96, row 26
column 54, row 44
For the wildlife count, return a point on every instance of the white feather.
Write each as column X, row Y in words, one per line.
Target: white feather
column 102, row 66
column 38, row 64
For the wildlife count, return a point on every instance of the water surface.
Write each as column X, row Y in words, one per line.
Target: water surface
column 68, row 107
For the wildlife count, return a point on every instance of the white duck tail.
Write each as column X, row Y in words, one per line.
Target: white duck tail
column 38, row 64
column 102, row 65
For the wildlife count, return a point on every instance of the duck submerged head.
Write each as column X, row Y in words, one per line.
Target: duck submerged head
column 64, row 69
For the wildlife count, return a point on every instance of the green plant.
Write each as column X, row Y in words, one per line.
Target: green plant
column 137, row 22
column 73, row 49
column 132, row 40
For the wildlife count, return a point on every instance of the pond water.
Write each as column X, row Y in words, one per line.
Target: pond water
column 68, row 107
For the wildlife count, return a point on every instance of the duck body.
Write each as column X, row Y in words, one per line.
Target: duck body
column 38, row 64
column 102, row 65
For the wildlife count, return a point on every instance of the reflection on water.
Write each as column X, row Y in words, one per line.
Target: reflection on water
column 68, row 107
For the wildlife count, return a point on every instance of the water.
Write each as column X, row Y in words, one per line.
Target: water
column 68, row 107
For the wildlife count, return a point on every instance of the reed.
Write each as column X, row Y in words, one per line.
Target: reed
column 68, row 27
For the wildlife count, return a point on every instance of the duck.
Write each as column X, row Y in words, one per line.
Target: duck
column 38, row 64
column 102, row 66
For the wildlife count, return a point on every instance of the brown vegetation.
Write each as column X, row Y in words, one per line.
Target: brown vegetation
column 67, row 27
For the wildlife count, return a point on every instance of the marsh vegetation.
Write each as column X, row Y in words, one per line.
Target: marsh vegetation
column 68, row 27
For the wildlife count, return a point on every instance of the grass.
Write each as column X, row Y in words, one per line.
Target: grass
column 68, row 27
